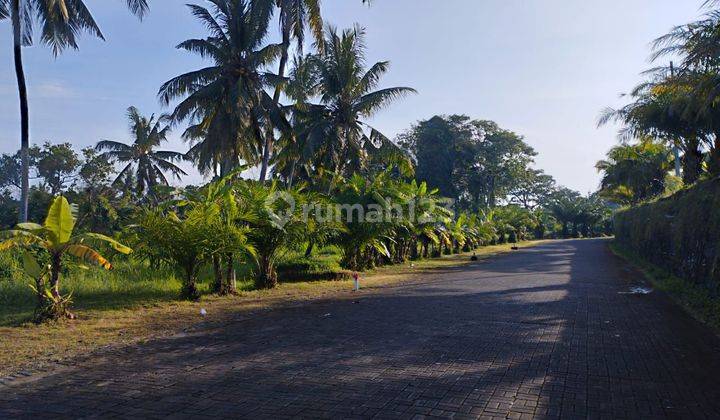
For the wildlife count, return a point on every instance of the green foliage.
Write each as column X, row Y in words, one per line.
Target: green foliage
column 190, row 238
column 143, row 163
column 635, row 173
column 678, row 233
column 56, row 165
column 276, row 224
column 679, row 105
column 54, row 239
column 227, row 103
column 514, row 223
column 474, row 162
column 580, row 216
column 335, row 132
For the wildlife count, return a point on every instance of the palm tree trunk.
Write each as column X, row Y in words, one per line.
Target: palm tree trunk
column 691, row 161
column 270, row 137
column 230, row 287
column 24, row 111
column 217, row 272
column 189, row 288
column 292, row 174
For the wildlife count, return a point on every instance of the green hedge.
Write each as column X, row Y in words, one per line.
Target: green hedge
column 680, row 233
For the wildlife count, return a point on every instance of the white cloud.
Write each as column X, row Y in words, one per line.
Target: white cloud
column 52, row 90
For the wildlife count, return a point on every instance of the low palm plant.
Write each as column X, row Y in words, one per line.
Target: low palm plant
column 54, row 240
column 277, row 224
column 368, row 231
column 233, row 219
column 190, row 239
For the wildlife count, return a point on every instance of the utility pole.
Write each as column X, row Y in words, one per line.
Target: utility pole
column 676, row 149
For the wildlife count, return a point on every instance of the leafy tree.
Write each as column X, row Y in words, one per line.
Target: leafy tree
column 434, row 147
column 531, row 188
column 474, row 162
column 513, row 223
column 501, row 159
column 57, row 165
column 658, row 111
column 8, row 209
column 10, row 172
column 565, row 206
column 365, row 207
column 55, row 239
column 96, row 169
column 61, row 21
column 142, row 160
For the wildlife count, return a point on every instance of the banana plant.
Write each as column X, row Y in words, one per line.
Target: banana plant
column 55, row 239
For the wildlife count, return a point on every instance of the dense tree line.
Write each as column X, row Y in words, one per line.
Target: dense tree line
column 327, row 177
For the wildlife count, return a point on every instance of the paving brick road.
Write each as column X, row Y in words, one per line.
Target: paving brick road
column 542, row 333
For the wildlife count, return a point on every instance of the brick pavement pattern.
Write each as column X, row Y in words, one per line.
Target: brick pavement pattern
column 545, row 332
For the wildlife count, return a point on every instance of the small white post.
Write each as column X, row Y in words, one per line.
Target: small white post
column 356, row 277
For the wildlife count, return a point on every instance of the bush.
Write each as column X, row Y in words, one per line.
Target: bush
column 310, row 269
column 680, row 233
column 10, row 268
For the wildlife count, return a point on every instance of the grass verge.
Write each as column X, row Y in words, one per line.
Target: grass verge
column 113, row 319
column 695, row 299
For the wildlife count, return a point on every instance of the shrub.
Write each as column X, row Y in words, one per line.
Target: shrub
column 680, row 233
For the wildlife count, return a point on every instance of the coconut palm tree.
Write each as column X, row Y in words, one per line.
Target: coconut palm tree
column 296, row 16
column 294, row 158
column 337, row 132
column 141, row 157
column 61, row 21
column 227, row 102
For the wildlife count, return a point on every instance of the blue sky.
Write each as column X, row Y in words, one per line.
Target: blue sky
column 543, row 68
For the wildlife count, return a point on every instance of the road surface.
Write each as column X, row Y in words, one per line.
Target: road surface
column 545, row 332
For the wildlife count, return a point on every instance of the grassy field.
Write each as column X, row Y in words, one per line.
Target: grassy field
column 694, row 298
column 130, row 305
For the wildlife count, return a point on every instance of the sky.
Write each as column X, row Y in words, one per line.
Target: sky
column 542, row 68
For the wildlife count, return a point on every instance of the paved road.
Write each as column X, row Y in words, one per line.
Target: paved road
column 541, row 333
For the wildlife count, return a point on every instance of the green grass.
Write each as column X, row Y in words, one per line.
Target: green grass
column 697, row 300
column 124, row 287
column 132, row 305
column 132, row 285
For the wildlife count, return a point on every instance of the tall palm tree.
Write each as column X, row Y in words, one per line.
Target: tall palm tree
column 665, row 109
column 141, row 157
column 293, row 158
column 295, row 17
column 227, row 102
column 337, row 131
column 633, row 173
column 61, row 21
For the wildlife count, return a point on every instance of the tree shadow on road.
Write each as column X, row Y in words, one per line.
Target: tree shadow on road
column 542, row 332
